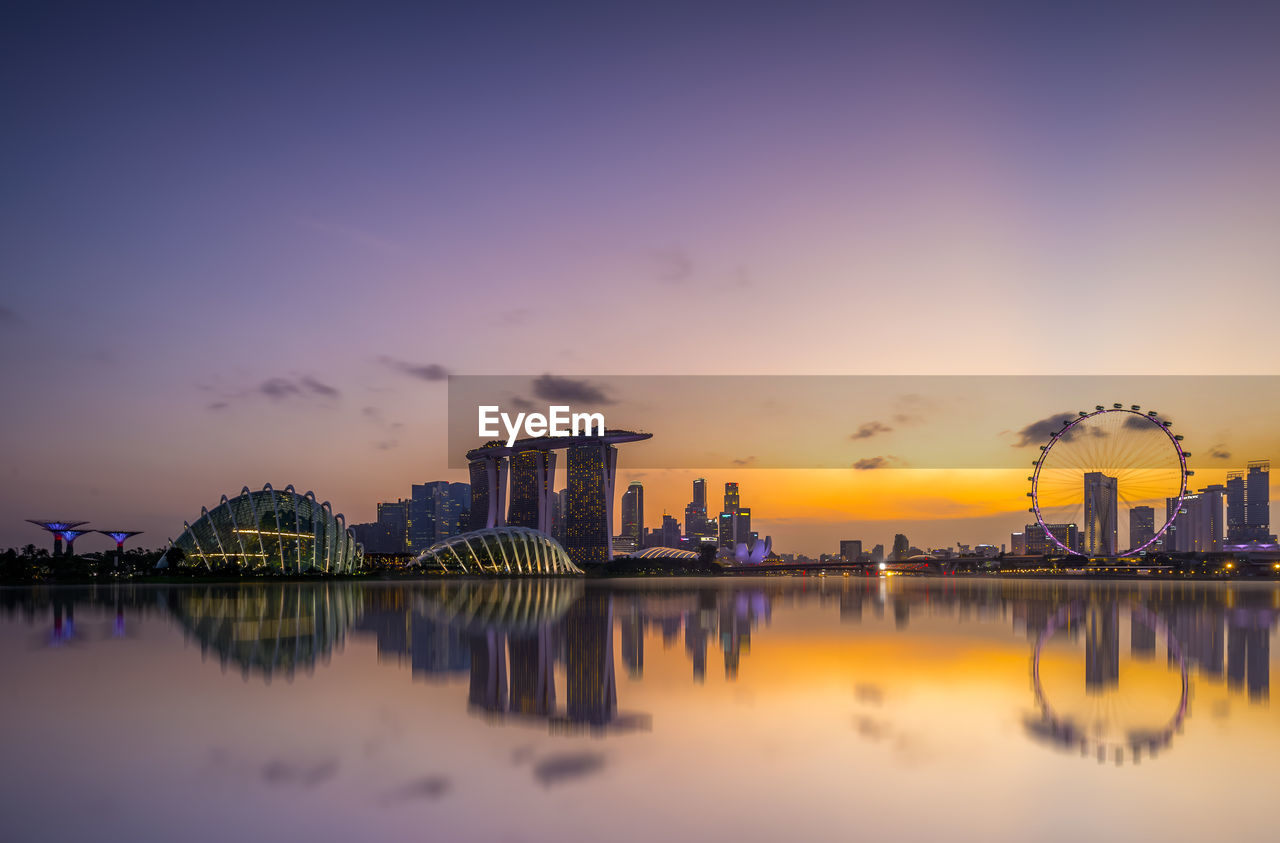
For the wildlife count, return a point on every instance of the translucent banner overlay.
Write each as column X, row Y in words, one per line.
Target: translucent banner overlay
column 865, row 423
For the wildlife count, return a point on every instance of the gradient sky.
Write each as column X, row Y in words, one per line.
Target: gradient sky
column 240, row 242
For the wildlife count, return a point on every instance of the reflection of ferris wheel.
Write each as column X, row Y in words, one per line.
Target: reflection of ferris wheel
column 1090, row 738
column 1096, row 468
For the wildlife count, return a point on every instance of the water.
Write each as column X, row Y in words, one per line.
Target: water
column 798, row 708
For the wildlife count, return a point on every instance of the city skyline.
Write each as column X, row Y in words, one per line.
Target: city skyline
column 734, row 193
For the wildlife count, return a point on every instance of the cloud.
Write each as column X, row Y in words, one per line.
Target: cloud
column 319, row 387
column 672, row 265
column 305, row 774
column 868, row 463
column 1133, row 422
column 1040, row 432
column 552, row 388
column 430, row 372
column 521, row 404
column 218, row 405
column 427, row 787
column 871, row 428
column 1219, row 452
column 282, row 388
column 278, row 388
column 10, row 317
column 556, row 769
column 868, row 693
column 744, row 461
column 870, row 728
column 386, row 444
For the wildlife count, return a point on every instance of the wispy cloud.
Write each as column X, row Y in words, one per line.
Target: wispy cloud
column 869, row 463
column 1039, row 432
column 869, row 429
column 552, row 388
column 430, row 372
column 1219, row 452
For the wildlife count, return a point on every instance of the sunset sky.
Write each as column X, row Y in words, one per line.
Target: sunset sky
column 246, row 243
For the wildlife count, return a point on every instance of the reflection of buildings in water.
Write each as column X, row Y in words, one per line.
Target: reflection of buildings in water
column 1102, row 647
column 1249, row 653
column 55, row 608
column 267, row 629
column 592, row 693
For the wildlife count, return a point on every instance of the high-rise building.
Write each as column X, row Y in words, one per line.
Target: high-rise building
column 434, row 512
column 1037, row 543
column 670, row 531
column 1142, row 525
column 725, row 532
column 901, row 547
column 695, row 522
column 1200, row 525
column 877, row 554
column 1258, row 501
column 633, row 512
column 393, row 526
column 488, row 492
column 532, row 473
column 700, row 493
column 742, row 526
column 592, row 469
column 1101, row 505
column 850, row 550
column 1237, row 513
column 730, row 497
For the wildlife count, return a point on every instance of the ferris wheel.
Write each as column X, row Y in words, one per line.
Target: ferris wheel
column 1111, row 478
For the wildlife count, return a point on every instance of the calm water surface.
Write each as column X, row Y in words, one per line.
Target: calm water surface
column 833, row 708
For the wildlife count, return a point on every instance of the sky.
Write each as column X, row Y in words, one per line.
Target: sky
column 246, row 243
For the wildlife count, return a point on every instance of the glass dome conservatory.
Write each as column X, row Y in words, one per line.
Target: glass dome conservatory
column 270, row 529
column 501, row 551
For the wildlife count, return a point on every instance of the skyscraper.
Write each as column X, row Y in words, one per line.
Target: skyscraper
column 1237, row 513
column 1258, row 501
column 1101, row 535
column 850, row 549
column 532, row 474
column 435, row 511
column 725, row 532
column 1142, row 525
column 730, row 497
column 633, row 513
column 588, row 525
column 901, row 547
column 742, row 526
column 700, row 493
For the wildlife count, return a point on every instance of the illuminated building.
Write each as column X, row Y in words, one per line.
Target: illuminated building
column 730, row 497
column 1100, row 514
column 742, row 526
column 1142, row 525
column 700, row 493
column 850, row 550
column 1037, row 543
column 1249, row 504
column 488, row 468
column 532, row 490
column 1017, row 544
column 70, row 536
column 592, row 469
column 498, row 551
column 901, row 547
column 270, row 529
column 435, row 512
column 119, row 537
column 725, row 532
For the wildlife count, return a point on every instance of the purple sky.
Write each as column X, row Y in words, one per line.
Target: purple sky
column 231, row 235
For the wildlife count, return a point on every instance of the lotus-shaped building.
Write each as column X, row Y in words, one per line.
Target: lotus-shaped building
column 498, row 551
column 270, row 530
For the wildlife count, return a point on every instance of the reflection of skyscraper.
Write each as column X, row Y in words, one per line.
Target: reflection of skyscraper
column 1102, row 647
column 488, row 671
column 533, row 678
column 1249, row 657
column 591, row 695
column 1100, row 514
column 1142, row 525
column 1142, row 637
column 633, row 642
